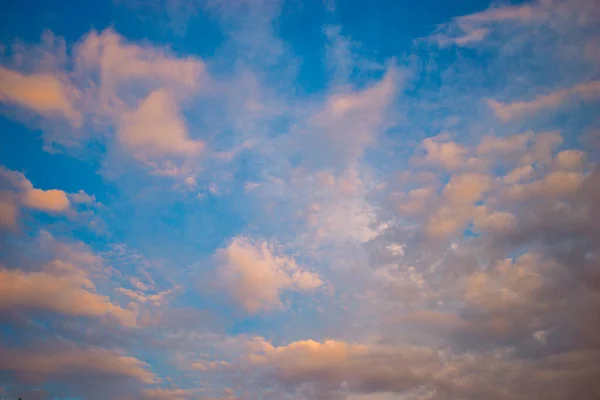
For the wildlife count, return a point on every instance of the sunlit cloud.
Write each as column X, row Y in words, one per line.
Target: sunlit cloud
column 256, row 200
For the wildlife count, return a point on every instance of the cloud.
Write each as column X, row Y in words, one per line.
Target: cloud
column 139, row 89
column 60, row 362
column 256, row 277
column 106, row 84
column 460, row 195
column 23, row 194
column 519, row 174
column 524, row 13
column 558, row 184
column 473, row 36
column 361, row 368
column 43, row 93
column 9, row 212
column 504, row 145
column 350, row 121
column 169, row 394
column 570, row 159
column 498, row 221
column 52, row 200
column 544, row 145
column 82, row 197
column 474, row 28
column 120, row 65
column 443, row 152
column 156, row 129
column 506, row 285
column 520, row 109
column 59, row 288
column 156, row 299
column 337, row 175
column 417, row 200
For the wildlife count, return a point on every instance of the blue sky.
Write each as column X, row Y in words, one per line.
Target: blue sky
column 299, row 200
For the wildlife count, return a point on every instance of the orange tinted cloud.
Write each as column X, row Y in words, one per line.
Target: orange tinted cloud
column 256, row 277
column 50, row 363
column 42, row 93
column 60, row 289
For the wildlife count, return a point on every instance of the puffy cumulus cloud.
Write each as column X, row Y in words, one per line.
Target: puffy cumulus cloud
column 466, row 188
column 544, row 146
column 507, row 284
column 520, row 109
column 497, row 221
column 520, row 303
column 52, row 200
column 110, row 84
column 60, row 288
column 322, row 367
column 21, row 193
column 417, row 200
column 18, row 194
column 459, row 197
column 334, row 369
column 570, row 159
column 157, row 129
column 558, row 184
column 444, row 152
column 45, row 94
column 60, row 278
column 63, row 362
column 255, row 276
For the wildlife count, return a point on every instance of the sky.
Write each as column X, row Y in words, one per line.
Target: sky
column 299, row 200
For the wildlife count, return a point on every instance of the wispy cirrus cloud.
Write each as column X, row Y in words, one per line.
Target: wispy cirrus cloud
column 521, row 109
